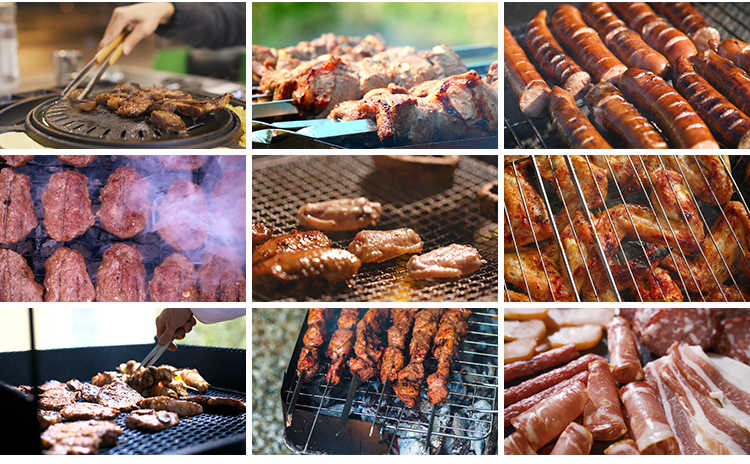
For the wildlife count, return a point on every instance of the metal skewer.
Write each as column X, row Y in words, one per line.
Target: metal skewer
column 380, row 403
column 293, row 402
column 430, row 426
column 356, row 381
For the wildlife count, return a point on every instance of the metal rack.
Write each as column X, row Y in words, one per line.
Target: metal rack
column 625, row 262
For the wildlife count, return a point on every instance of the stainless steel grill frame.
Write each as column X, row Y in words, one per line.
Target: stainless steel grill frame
column 731, row 19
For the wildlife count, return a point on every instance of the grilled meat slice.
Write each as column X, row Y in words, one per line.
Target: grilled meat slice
column 296, row 241
column 306, row 269
column 66, row 277
column 17, row 217
column 119, row 395
column 125, row 205
column 150, row 420
column 175, row 279
column 47, row 417
column 67, row 207
column 183, row 216
column 17, row 161
column 444, row 61
column 104, row 378
column 80, row 437
column 168, row 121
column 193, row 379
column 327, row 84
column 56, row 399
column 220, row 278
column 445, row 262
column 192, row 108
column 86, row 411
column 165, row 403
column 17, row 282
column 89, row 392
column 133, row 106
column 183, row 162
column 261, row 234
column 79, row 161
column 219, row 405
column 121, row 276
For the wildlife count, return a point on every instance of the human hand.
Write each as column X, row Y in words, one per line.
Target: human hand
column 173, row 324
column 143, row 19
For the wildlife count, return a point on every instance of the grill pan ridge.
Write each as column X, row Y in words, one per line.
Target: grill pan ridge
column 470, row 413
column 441, row 214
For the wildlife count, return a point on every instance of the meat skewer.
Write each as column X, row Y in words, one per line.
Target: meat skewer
column 341, row 345
column 410, row 378
column 309, row 358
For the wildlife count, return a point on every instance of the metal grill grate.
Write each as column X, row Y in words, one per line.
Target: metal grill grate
column 732, row 20
column 441, row 214
column 469, row 413
column 710, row 284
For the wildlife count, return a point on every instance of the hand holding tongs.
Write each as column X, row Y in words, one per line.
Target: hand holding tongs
column 110, row 53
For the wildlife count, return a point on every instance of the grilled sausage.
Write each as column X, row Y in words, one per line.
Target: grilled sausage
column 727, row 78
column 585, row 45
column 737, row 52
column 687, row 19
column 667, row 40
column 528, row 86
column 625, row 43
column 730, row 125
column 574, row 129
column 618, row 117
column 662, row 104
column 549, row 56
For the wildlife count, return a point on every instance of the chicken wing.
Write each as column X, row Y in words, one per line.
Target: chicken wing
column 524, row 208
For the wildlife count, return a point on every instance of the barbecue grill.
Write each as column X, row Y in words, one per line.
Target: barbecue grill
column 38, row 246
column 630, row 249
column 467, row 424
column 730, row 19
column 224, row 368
column 441, row 213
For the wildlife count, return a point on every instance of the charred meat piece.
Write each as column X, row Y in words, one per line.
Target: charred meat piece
column 219, row 405
column 133, row 106
column 81, row 437
column 17, row 217
column 192, row 108
column 261, row 234
column 17, row 282
column 47, row 418
column 67, row 207
column 183, row 162
column 168, row 121
column 491, row 76
column 66, row 277
column 394, row 357
column 451, row 261
column 306, row 269
column 327, row 84
column 341, row 346
column 165, row 403
column 104, row 378
column 220, row 278
column 183, row 216
column 296, row 241
column 150, row 420
column 175, row 279
column 229, row 203
column 89, row 392
column 193, row 379
column 411, row 377
column 79, row 161
column 86, row 411
column 125, row 205
column 56, row 399
column 17, row 161
column 121, row 276
column 341, row 214
column 313, row 341
column 368, row 348
column 119, row 395
column 452, row 329
column 381, row 245
column 444, row 61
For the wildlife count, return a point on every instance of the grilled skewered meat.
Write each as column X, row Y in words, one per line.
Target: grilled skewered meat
column 313, row 340
column 341, row 345
column 410, row 378
column 394, row 358
column 453, row 328
column 368, row 347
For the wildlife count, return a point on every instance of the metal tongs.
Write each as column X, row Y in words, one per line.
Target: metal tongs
column 110, row 53
column 153, row 356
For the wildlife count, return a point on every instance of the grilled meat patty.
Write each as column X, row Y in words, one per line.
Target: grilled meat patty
column 221, row 278
column 16, row 279
column 81, row 437
column 219, row 405
column 67, row 207
column 119, row 395
column 17, row 217
column 175, row 279
column 17, row 161
column 121, row 276
column 86, row 411
column 165, row 403
column 79, row 161
column 125, row 205
column 66, row 277
column 151, row 420
column 183, row 216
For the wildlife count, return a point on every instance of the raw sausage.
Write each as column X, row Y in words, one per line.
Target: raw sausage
column 625, row 43
column 730, row 125
column 623, row 351
column 667, row 40
column 574, row 129
column 659, row 328
column 687, row 19
column 527, row 403
column 547, row 53
column 660, row 102
column 602, row 415
column 734, row 339
column 737, row 52
column 540, row 362
column 585, row 45
column 528, row 86
column 727, row 78
column 618, row 117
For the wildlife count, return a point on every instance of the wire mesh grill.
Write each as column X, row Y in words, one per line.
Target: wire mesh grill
column 441, row 214
column 469, row 412
column 668, row 271
column 731, row 19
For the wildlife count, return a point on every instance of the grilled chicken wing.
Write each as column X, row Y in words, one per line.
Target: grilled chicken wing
column 382, row 245
column 524, row 207
column 296, row 241
column 451, row 261
column 341, row 214
column 709, row 176
column 306, row 269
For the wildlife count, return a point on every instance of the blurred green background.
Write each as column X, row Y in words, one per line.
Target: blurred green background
column 421, row 25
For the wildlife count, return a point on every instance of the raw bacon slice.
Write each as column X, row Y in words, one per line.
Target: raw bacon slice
column 516, row 444
column 622, row 447
column 527, row 403
column 574, row 440
column 602, row 416
column 623, row 351
column 647, row 420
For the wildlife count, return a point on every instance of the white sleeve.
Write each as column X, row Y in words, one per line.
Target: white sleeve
column 214, row 315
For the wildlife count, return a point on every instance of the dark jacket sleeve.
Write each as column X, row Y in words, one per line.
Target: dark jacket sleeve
column 207, row 25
